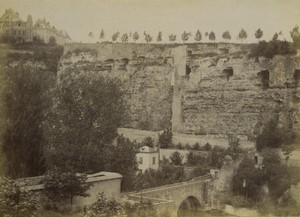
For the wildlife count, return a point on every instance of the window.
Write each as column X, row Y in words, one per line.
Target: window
column 153, row 160
column 140, row 160
column 216, row 174
column 256, row 159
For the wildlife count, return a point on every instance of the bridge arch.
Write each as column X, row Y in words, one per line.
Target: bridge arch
column 190, row 203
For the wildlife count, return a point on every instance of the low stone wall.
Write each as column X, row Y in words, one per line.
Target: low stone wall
column 106, row 182
column 213, row 140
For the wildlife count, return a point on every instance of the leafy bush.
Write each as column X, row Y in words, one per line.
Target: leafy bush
column 105, row 208
column 166, row 174
column 16, row 200
column 233, row 143
column 179, row 146
column 199, row 171
column 274, row 137
column 196, row 146
column 194, row 159
column 148, row 141
column 176, row 158
column 61, row 186
column 207, row 147
column 165, row 139
column 142, row 209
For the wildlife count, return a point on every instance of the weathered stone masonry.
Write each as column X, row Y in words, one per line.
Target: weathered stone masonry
column 195, row 88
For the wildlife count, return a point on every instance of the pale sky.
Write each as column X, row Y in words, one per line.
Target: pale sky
column 79, row 17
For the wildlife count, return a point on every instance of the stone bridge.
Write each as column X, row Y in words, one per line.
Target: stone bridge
column 193, row 194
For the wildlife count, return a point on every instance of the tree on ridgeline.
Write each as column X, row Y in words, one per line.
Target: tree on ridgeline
column 226, row 35
column 172, row 37
column 212, row 36
column 295, row 35
column 275, row 36
column 259, row 33
column 102, row 35
column 91, row 35
column 135, row 36
column 148, row 38
column 115, row 36
column 124, row 38
column 242, row 35
column 159, row 37
column 185, row 36
column 198, row 36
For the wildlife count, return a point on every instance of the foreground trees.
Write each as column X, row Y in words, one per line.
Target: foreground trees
column 83, row 122
column 250, row 181
column 25, row 102
column 15, row 200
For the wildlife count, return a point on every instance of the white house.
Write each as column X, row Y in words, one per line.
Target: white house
column 147, row 158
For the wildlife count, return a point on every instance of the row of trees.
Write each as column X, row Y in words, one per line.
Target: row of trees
column 185, row 36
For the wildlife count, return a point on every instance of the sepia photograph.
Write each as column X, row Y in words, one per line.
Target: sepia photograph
column 149, row 108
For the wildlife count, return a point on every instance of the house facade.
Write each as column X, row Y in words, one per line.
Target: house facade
column 147, row 158
column 14, row 29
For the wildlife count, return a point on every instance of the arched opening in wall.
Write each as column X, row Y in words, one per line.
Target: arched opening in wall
column 224, row 50
column 297, row 76
column 189, row 53
column 228, row 72
column 109, row 61
column 188, row 207
column 123, row 64
column 264, row 77
column 188, row 70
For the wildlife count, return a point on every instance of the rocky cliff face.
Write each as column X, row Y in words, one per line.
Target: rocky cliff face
column 227, row 92
column 146, row 76
column 198, row 88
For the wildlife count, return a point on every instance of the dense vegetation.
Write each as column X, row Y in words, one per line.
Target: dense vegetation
column 15, row 200
column 272, row 48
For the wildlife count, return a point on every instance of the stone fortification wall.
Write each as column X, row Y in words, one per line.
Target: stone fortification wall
column 226, row 92
column 203, row 89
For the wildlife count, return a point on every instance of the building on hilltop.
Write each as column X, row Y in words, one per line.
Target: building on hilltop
column 14, row 29
column 44, row 31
